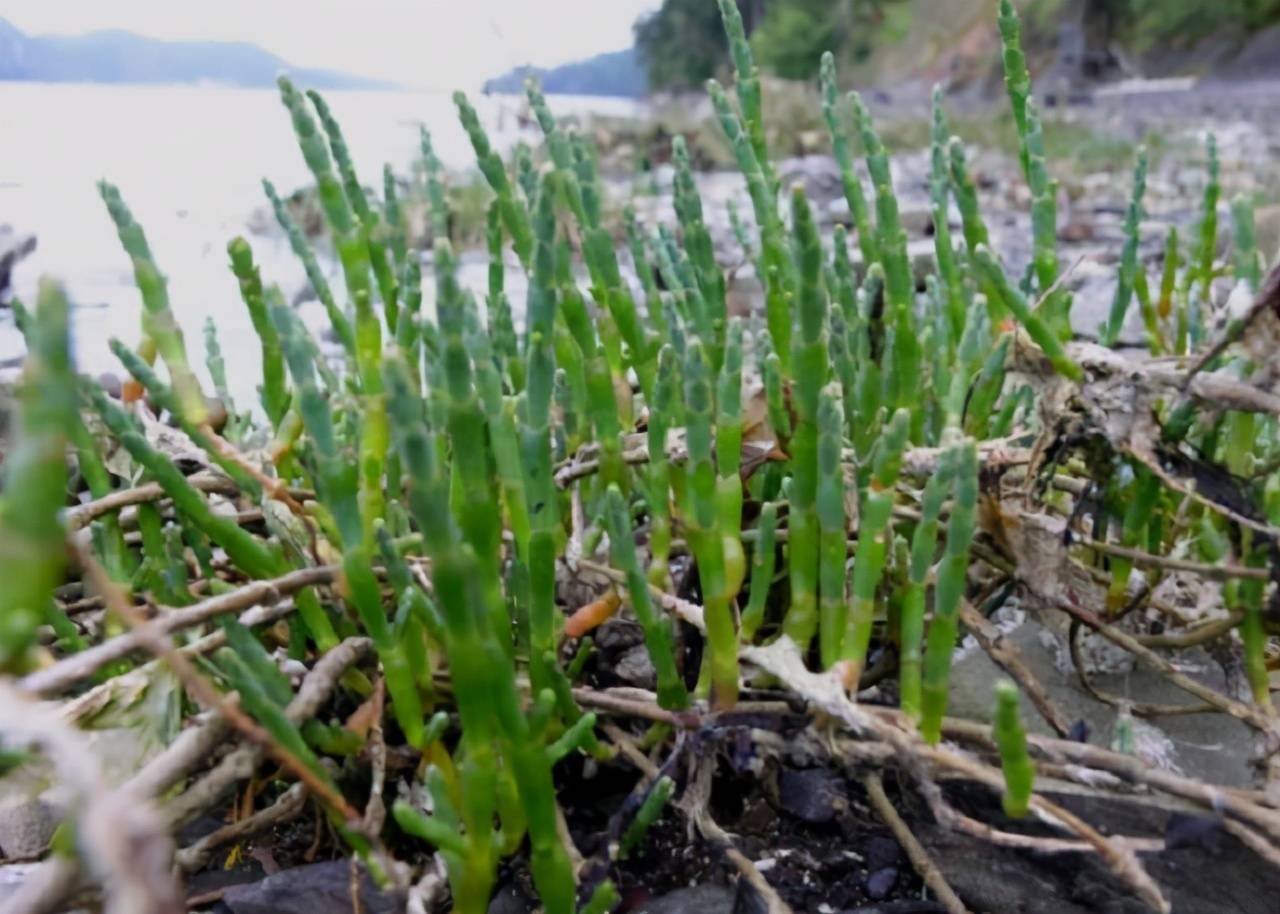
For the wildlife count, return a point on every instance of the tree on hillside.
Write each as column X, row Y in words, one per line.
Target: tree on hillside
column 682, row 45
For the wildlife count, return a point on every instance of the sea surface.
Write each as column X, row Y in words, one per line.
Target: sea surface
column 189, row 161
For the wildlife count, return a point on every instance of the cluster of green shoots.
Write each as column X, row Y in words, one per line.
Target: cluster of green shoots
column 429, row 453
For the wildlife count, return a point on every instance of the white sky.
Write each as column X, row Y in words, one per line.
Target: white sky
column 429, row 43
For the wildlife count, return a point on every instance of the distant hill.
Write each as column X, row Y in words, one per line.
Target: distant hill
column 618, row 74
column 124, row 57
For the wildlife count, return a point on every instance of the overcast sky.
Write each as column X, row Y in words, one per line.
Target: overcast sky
column 430, row 43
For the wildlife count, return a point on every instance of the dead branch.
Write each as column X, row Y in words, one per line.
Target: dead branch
column 1005, row 655
column 117, row 831
column 240, row 764
column 921, row 862
column 77, row 667
column 289, row 806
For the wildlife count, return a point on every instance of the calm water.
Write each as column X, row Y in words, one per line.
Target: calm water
column 189, row 161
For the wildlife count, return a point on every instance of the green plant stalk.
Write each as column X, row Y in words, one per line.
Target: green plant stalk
column 158, row 572
column 257, row 701
column 644, row 271
column 480, row 519
column 1129, row 265
column 484, row 678
column 560, row 149
column 353, row 252
column 1156, row 343
column 603, row 899
column 1044, row 190
column 832, row 532
column 1247, row 264
column 763, row 561
column 810, row 363
column 1044, row 227
column 778, row 270
column 409, row 324
column 35, row 478
column 275, row 395
column 654, row 802
column 973, row 227
column 1140, row 504
column 966, row 194
column 166, row 398
column 245, row 550
column 939, row 194
column 899, row 284
column 501, row 326
column 536, row 433
column 1251, row 596
column 601, row 404
column 158, row 323
column 658, row 638
column 849, row 180
column 729, row 459
column 986, row 389
column 436, row 195
column 843, row 365
column 949, row 591
column 1002, row 425
column 1207, row 242
column 393, row 218
column 335, row 477
column 217, row 366
column 315, row 276
column 661, row 417
column 874, row 536
column 504, row 439
column 1039, row 331
column 968, row 360
column 360, row 588
column 743, row 237
column 1019, row 770
column 701, row 252
column 747, row 82
column 514, row 215
column 370, row 229
column 924, row 543
column 114, row 553
column 705, row 534
column 1017, row 79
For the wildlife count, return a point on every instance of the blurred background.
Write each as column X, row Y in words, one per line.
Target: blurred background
column 176, row 104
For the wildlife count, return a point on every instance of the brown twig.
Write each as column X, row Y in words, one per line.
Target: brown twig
column 1138, row 708
column 92, row 701
column 375, row 811
column 273, row 486
column 204, row 692
column 206, row 481
column 1268, row 297
column 1208, row 631
column 289, row 806
column 118, row 831
column 1005, row 655
column 921, row 862
column 316, row 688
column 77, row 667
column 696, row 805
column 1238, row 709
column 1221, row 571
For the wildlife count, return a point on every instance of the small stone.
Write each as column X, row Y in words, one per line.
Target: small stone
column 810, row 794
column 698, row 899
column 321, row 888
column 882, row 853
column 881, row 882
